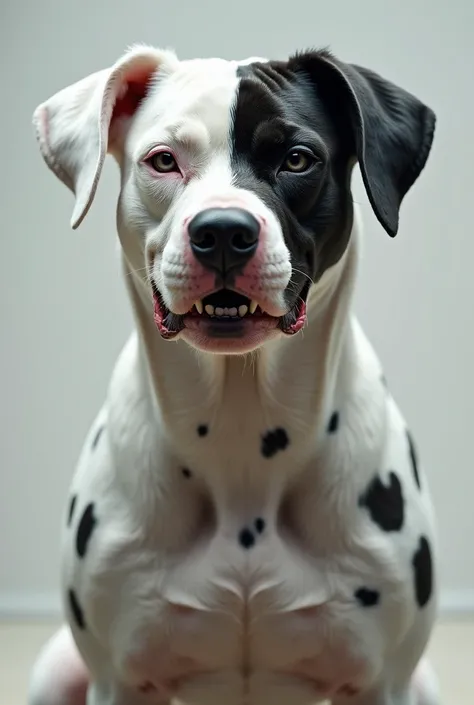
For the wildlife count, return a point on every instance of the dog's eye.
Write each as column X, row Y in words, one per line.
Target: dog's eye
column 163, row 162
column 297, row 161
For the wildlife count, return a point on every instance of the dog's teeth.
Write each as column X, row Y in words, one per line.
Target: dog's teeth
column 253, row 306
column 199, row 306
column 226, row 312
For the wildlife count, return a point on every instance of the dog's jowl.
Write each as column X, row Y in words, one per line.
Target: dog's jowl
column 253, row 527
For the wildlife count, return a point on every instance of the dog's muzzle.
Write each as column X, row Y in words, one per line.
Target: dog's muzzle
column 224, row 240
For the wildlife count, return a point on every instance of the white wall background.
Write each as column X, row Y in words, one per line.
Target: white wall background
column 64, row 315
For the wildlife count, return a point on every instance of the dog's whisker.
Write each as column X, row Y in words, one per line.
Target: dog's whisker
column 303, row 274
column 139, row 271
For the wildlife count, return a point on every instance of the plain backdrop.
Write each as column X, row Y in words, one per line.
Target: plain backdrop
column 64, row 313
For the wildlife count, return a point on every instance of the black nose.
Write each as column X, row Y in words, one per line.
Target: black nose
column 224, row 239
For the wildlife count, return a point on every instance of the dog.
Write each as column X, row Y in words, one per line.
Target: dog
column 249, row 522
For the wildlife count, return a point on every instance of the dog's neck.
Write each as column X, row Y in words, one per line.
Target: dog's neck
column 295, row 376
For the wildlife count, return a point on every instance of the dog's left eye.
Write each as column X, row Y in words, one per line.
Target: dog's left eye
column 163, row 162
column 297, row 161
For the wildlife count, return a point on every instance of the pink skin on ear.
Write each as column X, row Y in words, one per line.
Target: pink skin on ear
column 131, row 95
column 136, row 88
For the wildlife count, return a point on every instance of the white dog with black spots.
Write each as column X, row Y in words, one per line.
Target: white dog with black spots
column 248, row 523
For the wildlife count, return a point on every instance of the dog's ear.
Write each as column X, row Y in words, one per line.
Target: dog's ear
column 391, row 130
column 76, row 127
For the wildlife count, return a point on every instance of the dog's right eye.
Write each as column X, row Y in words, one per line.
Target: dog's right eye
column 163, row 162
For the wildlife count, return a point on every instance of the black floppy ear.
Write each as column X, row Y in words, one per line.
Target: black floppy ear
column 392, row 131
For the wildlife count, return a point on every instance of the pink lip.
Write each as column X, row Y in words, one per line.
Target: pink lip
column 300, row 321
column 158, row 318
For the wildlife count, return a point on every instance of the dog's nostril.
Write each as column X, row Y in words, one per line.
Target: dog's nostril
column 244, row 239
column 205, row 240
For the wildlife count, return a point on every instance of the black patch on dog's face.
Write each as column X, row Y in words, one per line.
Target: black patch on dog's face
column 72, row 505
column 343, row 114
column 259, row 525
column 202, row 430
column 385, row 504
column 76, row 609
column 367, row 597
column 274, row 441
column 278, row 109
column 414, row 459
column 186, row 472
column 85, row 530
column 423, row 572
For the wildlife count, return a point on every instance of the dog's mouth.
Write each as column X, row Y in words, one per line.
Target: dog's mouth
column 227, row 314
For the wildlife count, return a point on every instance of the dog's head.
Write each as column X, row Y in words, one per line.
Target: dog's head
column 235, row 178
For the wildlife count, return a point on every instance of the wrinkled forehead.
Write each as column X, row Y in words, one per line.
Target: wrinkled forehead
column 195, row 102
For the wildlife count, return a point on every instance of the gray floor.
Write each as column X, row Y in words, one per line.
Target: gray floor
column 452, row 651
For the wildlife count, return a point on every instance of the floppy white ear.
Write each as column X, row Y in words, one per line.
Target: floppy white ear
column 80, row 124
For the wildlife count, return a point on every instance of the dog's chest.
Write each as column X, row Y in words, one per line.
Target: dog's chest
column 247, row 593
column 262, row 570
column 248, row 551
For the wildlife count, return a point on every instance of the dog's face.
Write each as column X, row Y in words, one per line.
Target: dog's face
column 235, row 195
column 241, row 196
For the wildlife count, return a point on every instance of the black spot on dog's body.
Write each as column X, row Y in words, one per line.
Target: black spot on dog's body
column 259, row 525
column 85, row 529
column 246, row 538
column 333, row 424
column 97, row 436
column 274, row 441
column 76, row 609
column 367, row 597
column 385, row 503
column 202, row 430
column 186, row 472
column 413, row 458
column 72, row 505
column 423, row 572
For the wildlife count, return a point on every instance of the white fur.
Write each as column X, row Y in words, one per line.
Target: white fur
column 165, row 587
